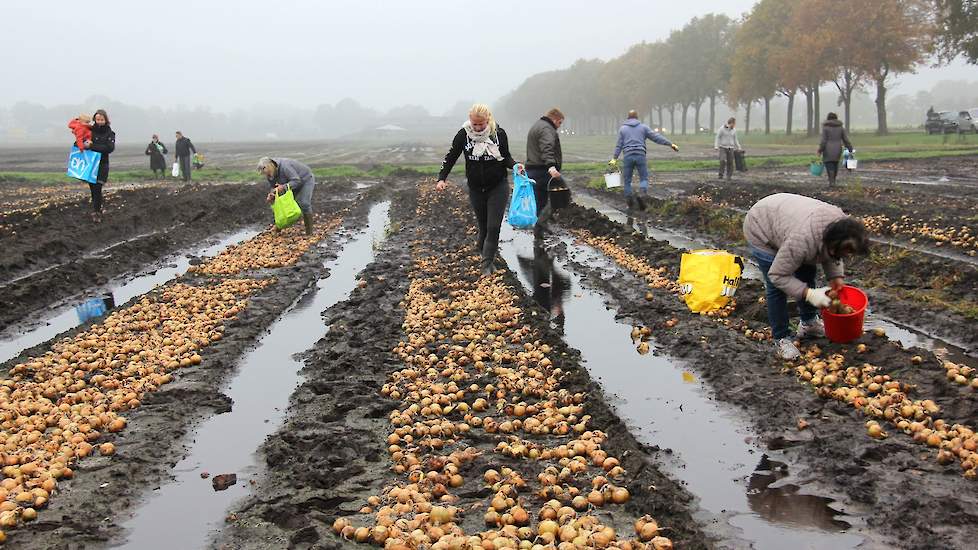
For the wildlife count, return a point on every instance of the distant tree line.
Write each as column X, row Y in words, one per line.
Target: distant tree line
column 786, row 49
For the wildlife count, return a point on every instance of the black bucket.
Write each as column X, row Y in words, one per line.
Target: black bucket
column 560, row 194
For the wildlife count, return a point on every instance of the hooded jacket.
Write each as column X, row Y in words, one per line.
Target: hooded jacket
column 543, row 146
column 483, row 172
column 791, row 228
column 834, row 135
column 632, row 136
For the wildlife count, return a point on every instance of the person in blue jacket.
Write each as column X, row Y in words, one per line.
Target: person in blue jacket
column 631, row 143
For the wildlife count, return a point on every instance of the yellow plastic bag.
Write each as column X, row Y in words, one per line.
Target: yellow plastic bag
column 708, row 279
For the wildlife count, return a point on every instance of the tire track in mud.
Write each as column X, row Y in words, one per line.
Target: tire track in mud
column 874, row 381
column 346, row 451
column 160, row 407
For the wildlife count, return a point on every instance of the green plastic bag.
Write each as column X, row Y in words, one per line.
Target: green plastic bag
column 286, row 210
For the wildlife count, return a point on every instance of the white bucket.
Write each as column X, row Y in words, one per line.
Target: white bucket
column 852, row 163
column 612, row 180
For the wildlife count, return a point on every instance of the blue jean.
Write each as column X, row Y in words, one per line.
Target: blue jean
column 631, row 162
column 777, row 300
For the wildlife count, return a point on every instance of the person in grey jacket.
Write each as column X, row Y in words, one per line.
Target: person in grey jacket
column 282, row 174
column 631, row 142
column 726, row 143
column 543, row 161
column 788, row 235
column 834, row 136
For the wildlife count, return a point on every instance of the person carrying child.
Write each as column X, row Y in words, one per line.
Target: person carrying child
column 81, row 127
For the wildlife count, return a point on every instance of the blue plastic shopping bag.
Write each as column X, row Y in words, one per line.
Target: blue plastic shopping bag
column 523, row 207
column 83, row 165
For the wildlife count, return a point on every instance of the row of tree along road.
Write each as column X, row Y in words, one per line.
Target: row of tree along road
column 788, row 48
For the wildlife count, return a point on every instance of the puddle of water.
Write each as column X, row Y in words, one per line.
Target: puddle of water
column 364, row 184
column 266, row 378
column 120, row 291
column 663, row 406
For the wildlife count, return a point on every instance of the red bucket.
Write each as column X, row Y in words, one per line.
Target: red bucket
column 844, row 328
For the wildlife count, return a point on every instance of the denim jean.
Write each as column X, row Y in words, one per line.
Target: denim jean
column 777, row 300
column 631, row 162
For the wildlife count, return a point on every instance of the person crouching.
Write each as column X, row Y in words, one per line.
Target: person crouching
column 285, row 173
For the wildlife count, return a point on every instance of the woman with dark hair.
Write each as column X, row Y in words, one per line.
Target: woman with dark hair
column 487, row 160
column 834, row 136
column 103, row 141
column 157, row 161
column 788, row 235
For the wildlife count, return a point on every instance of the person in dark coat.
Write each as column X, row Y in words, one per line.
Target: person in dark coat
column 103, row 141
column 487, row 161
column 184, row 150
column 543, row 162
column 834, row 136
column 156, row 151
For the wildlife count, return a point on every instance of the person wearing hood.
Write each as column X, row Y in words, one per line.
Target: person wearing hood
column 156, row 151
column 631, row 143
column 543, row 162
column 788, row 236
column 487, row 162
column 283, row 174
column 102, row 141
column 726, row 143
column 834, row 136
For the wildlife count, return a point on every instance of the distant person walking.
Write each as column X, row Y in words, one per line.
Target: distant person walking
column 156, row 151
column 487, row 161
column 184, row 149
column 788, row 236
column 727, row 143
column 631, row 143
column 834, row 136
column 283, row 173
column 543, row 162
column 103, row 141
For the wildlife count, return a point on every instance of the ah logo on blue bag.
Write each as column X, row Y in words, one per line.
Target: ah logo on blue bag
column 83, row 165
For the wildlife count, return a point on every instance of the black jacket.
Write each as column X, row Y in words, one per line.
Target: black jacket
column 103, row 141
column 183, row 147
column 156, row 160
column 543, row 145
column 484, row 172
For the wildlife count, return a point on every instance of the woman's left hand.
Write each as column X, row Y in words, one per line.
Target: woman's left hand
column 520, row 169
column 280, row 189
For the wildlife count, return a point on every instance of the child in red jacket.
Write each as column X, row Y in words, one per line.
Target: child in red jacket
column 82, row 128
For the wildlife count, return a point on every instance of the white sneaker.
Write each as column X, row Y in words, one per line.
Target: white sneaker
column 811, row 329
column 785, row 348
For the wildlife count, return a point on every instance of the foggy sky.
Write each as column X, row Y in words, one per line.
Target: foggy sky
column 228, row 54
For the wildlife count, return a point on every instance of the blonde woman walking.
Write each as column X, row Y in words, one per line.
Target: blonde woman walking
column 487, row 162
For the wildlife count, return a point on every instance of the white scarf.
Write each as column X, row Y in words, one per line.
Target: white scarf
column 482, row 142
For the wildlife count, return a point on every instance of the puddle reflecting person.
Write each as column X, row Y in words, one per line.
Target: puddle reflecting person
column 631, row 144
column 788, row 235
column 834, row 136
column 157, row 159
column 726, row 143
column 103, row 141
column 543, row 162
column 487, row 164
column 285, row 173
column 182, row 149
column 549, row 284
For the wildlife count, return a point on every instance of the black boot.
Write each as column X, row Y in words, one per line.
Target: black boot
column 307, row 220
column 487, row 267
column 641, row 202
column 631, row 202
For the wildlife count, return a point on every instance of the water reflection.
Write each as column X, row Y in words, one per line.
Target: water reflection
column 550, row 285
column 783, row 504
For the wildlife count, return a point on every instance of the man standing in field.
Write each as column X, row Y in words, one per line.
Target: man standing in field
column 631, row 142
column 543, row 160
column 182, row 150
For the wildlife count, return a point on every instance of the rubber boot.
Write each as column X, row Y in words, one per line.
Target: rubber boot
column 487, row 267
column 631, row 202
column 641, row 202
column 307, row 220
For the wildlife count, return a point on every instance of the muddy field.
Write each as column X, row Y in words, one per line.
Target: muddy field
column 366, row 384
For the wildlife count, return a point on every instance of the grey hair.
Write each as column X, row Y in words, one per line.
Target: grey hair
column 265, row 161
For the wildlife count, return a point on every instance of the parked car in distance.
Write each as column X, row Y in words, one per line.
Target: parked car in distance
column 968, row 122
column 944, row 122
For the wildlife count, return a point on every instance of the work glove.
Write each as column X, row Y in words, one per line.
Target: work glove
column 818, row 297
column 675, row 147
column 613, row 164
